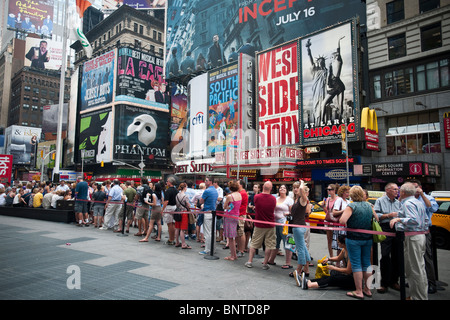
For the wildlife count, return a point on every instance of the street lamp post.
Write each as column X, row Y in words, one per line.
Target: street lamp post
column 142, row 164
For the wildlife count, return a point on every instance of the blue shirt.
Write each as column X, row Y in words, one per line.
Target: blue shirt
column 210, row 196
column 115, row 193
column 82, row 190
column 413, row 216
column 385, row 205
column 429, row 210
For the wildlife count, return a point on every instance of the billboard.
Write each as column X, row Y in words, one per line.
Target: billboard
column 43, row 54
column 198, row 111
column 223, row 95
column 207, row 31
column 110, row 5
column 140, row 79
column 178, row 114
column 329, row 85
column 22, row 142
column 6, row 164
column 32, row 16
column 140, row 132
column 95, row 138
column 278, row 113
column 97, row 84
column 50, row 117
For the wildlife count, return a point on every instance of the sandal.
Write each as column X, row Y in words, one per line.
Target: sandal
column 353, row 295
column 178, row 245
column 286, row 266
column 186, row 247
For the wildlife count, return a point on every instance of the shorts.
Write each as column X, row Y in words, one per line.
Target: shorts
column 129, row 211
column 81, row 206
column 156, row 213
column 168, row 217
column 142, row 212
column 266, row 235
column 241, row 226
column 98, row 210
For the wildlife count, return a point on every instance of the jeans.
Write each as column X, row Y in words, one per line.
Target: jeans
column 302, row 252
column 280, row 236
column 359, row 254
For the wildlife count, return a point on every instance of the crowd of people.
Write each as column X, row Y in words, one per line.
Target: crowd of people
column 247, row 222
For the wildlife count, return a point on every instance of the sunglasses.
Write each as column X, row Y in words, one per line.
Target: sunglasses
column 329, row 189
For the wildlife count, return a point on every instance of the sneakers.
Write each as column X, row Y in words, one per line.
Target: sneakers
column 240, row 254
column 103, row 228
column 299, row 278
column 265, row 267
column 248, row 264
column 304, row 282
column 203, row 252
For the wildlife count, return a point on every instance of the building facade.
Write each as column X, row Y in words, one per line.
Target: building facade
column 410, row 91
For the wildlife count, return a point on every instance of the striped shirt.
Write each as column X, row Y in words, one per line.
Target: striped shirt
column 413, row 216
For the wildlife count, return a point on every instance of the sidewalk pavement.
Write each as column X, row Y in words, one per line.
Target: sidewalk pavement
column 43, row 260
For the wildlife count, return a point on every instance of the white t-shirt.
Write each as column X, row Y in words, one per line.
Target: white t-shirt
column 282, row 208
column 340, row 204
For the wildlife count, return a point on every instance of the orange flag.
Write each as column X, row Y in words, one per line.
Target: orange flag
column 82, row 5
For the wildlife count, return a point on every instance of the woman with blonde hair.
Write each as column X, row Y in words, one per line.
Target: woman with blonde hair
column 299, row 214
column 358, row 215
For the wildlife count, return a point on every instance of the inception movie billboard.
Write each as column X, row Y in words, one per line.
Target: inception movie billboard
column 206, row 34
column 140, row 79
column 97, row 84
column 141, row 131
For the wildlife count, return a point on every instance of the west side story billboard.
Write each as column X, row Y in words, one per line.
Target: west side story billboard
column 209, row 33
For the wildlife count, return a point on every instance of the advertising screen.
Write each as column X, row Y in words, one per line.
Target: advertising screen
column 50, row 117
column 223, row 88
column 207, row 34
column 140, row 132
column 43, row 54
column 32, row 16
column 96, row 129
column 329, row 87
column 140, row 79
column 198, row 108
column 97, row 84
column 278, row 96
column 6, row 164
column 178, row 114
column 22, row 142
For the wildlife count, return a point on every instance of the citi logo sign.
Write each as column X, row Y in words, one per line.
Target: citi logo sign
column 198, row 119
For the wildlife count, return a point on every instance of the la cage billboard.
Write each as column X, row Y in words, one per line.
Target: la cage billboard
column 207, row 34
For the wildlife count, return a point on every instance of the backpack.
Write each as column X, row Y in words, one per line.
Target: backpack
column 143, row 193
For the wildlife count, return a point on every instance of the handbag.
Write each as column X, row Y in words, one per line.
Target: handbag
column 322, row 269
column 329, row 216
column 377, row 238
column 177, row 216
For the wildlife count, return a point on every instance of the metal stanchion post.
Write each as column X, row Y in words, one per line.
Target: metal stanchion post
column 401, row 263
column 122, row 234
column 211, row 256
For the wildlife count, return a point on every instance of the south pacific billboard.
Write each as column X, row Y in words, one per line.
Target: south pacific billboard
column 97, row 86
column 223, row 89
column 141, row 133
column 207, row 34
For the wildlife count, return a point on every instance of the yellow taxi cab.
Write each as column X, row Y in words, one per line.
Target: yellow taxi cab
column 317, row 215
column 441, row 219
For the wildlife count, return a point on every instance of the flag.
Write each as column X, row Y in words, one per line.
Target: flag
column 84, row 42
column 82, row 5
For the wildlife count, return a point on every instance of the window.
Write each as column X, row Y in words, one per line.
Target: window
column 427, row 5
column 159, row 36
column 431, row 36
column 432, row 75
column 395, row 11
column 141, row 29
column 414, row 134
column 154, row 34
column 397, row 46
column 135, row 29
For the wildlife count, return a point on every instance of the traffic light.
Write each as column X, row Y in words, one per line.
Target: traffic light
column 53, row 155
column 102, row 164
column 42, row 154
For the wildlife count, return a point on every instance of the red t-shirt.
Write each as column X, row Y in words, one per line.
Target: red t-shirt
column 244, row 203
column 264, row 209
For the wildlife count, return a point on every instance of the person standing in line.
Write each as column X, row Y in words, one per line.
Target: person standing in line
column 413, row 218
column 263, row 232
column 170, row 205
column 282, row 210
column 387, row 208
column 128, row 208
column 181, row 227
column 98, row 206
column 113, row 206
column 431, row 206
column 81, row 203
column 328, row 208
column 158, row 200
column 232, row 205
column 240, row 239
column 358, row 215
column 209, row 201
column 299, row 214
column 142, row 210
column 339, row 207
column 200, row 216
